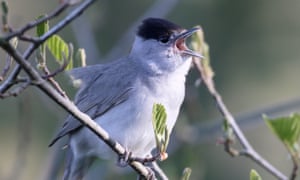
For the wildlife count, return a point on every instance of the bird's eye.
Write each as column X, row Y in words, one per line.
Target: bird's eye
column 164, row 39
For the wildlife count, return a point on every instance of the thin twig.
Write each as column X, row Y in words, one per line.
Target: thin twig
column 295, row 169
column 6, row 68
column 248, row 149
column 18, row 90
column 49, row 76
column 33, row 24
column 28, row 38
column 295, row 159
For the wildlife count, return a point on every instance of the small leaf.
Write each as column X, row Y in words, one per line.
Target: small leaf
column 43, row 27
column 58, row 48
column 287, row 129
column 161, row 132
column 186, row 174
column 4, row 7
column 254, row 175
column 41, row 62
column 228, row 132
column 198, row 44
column 81, row 57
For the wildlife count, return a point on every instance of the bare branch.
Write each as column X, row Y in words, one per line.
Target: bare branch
column 49, row 76
column 18, row 90
column 56, row 72
column 28, row 38
column 6, row 68
column 295, row 169
column 248, row 149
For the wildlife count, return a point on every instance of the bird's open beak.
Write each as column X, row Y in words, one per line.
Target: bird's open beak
column 179, row 42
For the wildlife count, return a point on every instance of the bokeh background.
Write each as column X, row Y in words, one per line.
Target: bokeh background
column 255, row 51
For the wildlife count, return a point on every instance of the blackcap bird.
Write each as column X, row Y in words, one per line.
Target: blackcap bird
column 120, row 95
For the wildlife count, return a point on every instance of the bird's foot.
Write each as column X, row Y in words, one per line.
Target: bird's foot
column 124, row 159
column 127, row 157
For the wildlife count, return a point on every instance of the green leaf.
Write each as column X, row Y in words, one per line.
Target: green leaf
column 70, row 58
column 199, row 44
column 287, row 129
column 186, row 174
column 161, row 132
column 4, row 7
column 58, row 48
column 43, row 27
column 254, row 175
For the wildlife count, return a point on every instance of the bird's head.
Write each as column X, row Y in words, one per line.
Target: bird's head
column 160, row 45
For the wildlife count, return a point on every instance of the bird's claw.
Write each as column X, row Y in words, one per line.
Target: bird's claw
column 124, row 159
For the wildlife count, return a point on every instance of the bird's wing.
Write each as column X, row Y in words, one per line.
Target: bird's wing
column 101, row 90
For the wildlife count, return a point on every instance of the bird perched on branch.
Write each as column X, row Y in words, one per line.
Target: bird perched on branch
column 120, row 95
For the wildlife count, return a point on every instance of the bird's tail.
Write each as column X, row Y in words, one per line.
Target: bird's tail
column 76, row 168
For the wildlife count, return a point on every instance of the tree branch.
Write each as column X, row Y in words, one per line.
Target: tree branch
column 17, row 90
column 49, row 76
column 6, row 68
column 248, row 150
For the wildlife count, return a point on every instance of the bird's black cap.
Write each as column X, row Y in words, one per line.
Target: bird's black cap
column 156, row 28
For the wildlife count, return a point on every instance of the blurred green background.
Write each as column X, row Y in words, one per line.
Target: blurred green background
column 255, row 51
